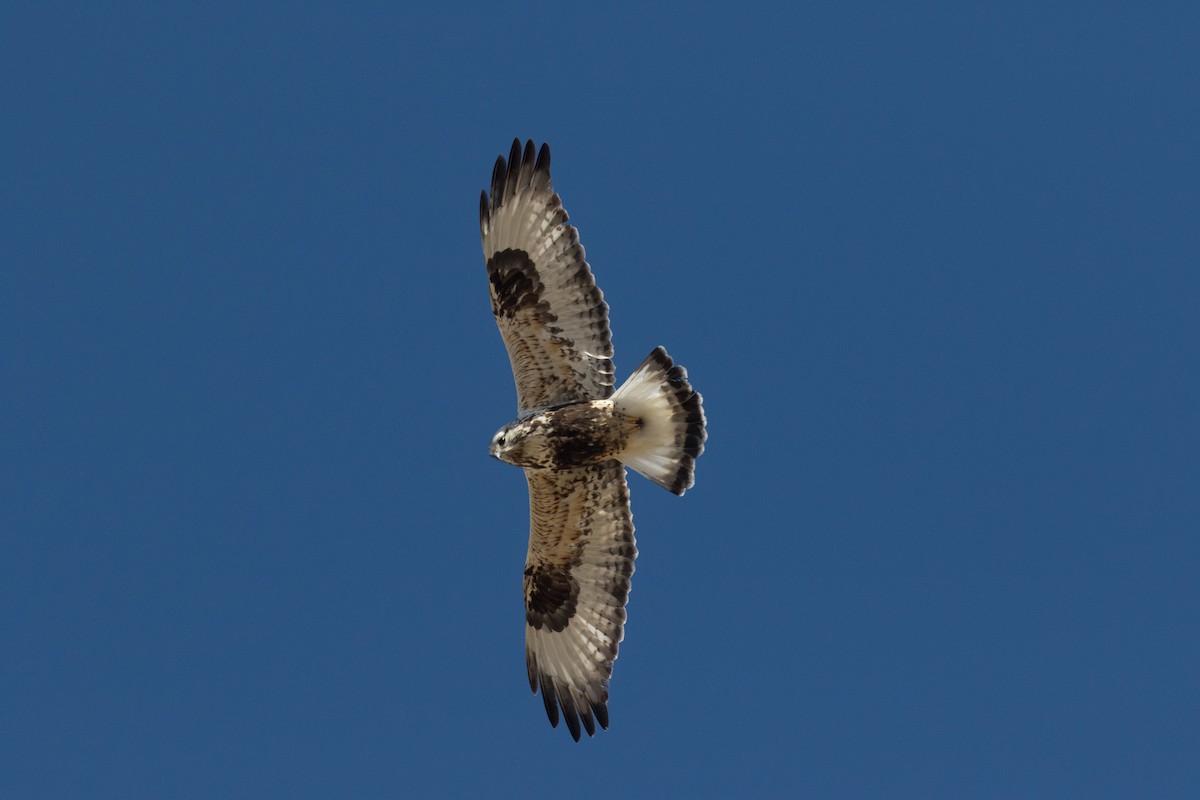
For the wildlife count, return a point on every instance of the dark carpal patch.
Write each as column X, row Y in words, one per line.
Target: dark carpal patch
column 515, row 284
column 551, row 594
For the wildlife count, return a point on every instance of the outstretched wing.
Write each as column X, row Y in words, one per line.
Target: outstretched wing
column 553, row 318
column 581, row 552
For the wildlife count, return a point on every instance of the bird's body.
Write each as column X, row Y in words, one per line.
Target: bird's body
column 564, row 437
column 573, row 436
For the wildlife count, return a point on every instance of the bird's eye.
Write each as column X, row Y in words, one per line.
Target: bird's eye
column 500, row 441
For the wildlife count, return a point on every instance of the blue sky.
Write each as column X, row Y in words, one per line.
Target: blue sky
column 934, row 269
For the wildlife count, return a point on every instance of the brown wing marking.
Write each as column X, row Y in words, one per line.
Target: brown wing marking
column 551, row 315
column 581, row 556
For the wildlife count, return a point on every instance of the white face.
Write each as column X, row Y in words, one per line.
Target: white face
column 519, row 443
column 500, row 442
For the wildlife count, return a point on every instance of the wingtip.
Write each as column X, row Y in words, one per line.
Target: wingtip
column 579, row 712
column 516, row 172
column 571, row 718
column 549, row 700
column 601, row 711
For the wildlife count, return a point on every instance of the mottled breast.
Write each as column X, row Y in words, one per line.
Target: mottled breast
column 588, row 432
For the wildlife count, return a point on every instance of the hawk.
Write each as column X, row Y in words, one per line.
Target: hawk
column 574, row 435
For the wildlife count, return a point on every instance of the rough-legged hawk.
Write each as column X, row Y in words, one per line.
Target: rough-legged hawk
column 574, row 436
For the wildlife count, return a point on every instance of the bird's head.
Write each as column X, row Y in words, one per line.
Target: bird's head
column 501, row 441
column 519, row 443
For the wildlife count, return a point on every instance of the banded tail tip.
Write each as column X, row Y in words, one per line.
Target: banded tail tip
column 664, row 448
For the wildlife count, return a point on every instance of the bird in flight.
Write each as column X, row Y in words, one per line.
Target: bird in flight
column 574, row 435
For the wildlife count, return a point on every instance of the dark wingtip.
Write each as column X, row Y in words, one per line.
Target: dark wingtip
column 516, row 172
column 514, row 169
column 589, row 722
column 577, row 711
column 601, row 711
column 549, row 700
column 498, row 172
column 571, row 718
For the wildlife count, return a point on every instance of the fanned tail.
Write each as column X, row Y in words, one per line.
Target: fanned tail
column 670, row 422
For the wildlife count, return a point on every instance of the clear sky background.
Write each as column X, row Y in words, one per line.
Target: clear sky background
column 935, row 268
